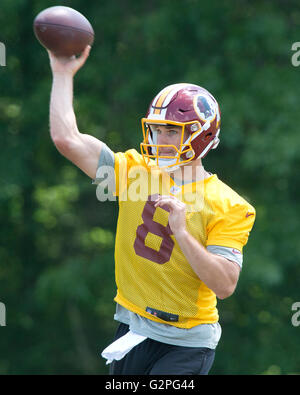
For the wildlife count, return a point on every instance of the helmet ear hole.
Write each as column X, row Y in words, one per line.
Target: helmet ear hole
column 190, row 153
column 207, row 136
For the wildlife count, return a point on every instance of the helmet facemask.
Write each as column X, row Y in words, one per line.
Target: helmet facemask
column 168, row 161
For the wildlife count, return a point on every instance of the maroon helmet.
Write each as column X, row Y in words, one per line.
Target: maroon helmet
column 195, row 110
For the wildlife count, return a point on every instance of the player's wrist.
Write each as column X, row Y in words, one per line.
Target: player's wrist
column 62, row 74
column 181, row 234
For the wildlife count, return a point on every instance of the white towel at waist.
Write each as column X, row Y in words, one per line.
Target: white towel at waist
column 119, row 348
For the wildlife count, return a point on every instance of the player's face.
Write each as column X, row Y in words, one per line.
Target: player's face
column 169, row 135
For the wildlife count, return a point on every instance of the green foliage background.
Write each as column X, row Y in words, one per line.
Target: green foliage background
column 56, row 238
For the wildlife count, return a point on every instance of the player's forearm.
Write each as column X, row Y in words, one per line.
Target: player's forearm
column 62, row 118
column 215, row 271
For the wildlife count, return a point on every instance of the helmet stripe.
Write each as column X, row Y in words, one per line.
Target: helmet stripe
column 161, row 99
column 164, row 97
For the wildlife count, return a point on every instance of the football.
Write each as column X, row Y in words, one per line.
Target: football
column 63, row 30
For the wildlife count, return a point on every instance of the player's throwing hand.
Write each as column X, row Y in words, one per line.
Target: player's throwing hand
column 68, row 65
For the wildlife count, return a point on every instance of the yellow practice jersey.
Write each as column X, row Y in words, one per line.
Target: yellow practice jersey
column 153, row 277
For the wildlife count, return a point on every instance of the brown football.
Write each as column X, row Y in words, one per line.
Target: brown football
column 63, row 30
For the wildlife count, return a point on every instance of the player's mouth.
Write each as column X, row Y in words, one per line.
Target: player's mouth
column 167, row 152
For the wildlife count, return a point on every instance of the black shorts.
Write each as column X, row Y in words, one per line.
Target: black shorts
column 155, row 358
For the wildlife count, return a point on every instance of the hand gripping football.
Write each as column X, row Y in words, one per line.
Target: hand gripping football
column 63, row 30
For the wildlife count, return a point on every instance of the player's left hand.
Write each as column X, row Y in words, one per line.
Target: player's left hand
column 177, row 220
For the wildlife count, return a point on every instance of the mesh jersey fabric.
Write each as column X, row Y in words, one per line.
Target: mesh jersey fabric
column 151, row 270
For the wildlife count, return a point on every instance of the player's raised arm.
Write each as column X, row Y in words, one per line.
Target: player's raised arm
column 81, row 149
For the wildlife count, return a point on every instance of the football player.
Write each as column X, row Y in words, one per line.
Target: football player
column 180, row 233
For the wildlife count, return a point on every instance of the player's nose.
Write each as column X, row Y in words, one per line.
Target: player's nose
column 163, row 138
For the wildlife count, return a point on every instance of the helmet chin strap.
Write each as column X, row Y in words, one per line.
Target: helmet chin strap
column 168, row 162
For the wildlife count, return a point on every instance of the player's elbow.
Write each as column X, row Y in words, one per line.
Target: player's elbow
column 228, row 282
column 63, row 144
column 224, row 295
column 225, row 292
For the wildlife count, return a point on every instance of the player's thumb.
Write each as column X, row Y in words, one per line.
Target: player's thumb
column 83, row 57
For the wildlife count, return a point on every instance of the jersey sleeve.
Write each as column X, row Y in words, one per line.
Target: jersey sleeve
column 105, row 175
column 113, row 170
column 232, row 254
column 231, row 225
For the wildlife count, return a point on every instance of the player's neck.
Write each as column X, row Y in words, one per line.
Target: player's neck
column 191, row 172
